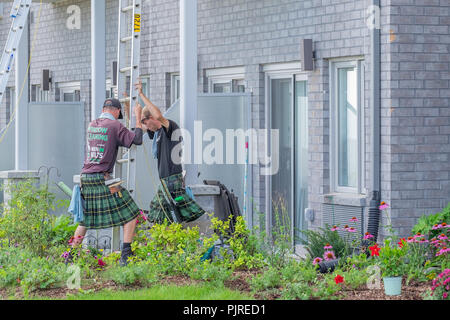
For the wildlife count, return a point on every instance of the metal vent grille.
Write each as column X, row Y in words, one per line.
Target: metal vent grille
column 340, row 215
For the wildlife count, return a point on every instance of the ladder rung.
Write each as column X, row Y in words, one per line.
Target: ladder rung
column 123, row 70
column 122, row 161
column 128, row 8
column 127, row 99
column 126, row 39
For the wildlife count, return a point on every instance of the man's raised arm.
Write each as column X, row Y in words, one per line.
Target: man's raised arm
column 154, row 110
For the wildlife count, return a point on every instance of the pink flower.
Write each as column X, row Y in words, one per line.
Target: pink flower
column 442, row 237
column 383, row 206
column 354, row 219
column 367, row 236
column 329, row 255
column 317, row 261
column 445, row 295
column 143, row 215
column 351, row 229
column 335, row 228
column 328, row 246
column 442, row 251
column 101, row 263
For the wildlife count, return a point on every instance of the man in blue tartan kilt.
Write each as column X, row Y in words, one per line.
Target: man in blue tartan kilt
column 104, row 206
column 171, row 198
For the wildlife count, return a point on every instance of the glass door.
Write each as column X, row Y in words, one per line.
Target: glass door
column 282, row 184
column 289, row 186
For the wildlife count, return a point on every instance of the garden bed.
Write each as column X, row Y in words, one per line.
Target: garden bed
column 251, row 264
column 240, row 282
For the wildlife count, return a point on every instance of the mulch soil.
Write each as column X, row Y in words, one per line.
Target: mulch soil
column 239, row 281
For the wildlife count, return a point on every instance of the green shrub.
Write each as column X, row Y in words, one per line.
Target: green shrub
column 242, row 242
column 26, row 221
column 133, row 274
column 18, row 267
column 214, row 272
column 426, row 222
column 62, row 229
column 318, row 239
column 296, row 290
column 171, row 248
column 270, row 279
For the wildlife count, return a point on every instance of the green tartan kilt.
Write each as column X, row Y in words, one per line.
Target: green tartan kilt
column 103, row 209
column 160, row 209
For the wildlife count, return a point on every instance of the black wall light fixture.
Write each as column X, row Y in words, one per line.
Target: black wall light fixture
column 307, row 54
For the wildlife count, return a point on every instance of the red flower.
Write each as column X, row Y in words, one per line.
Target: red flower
column 339, row 279
column 401, row 242
column 101, row 263
column 375, row 250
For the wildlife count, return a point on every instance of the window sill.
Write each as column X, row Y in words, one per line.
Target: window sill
column 346, row 199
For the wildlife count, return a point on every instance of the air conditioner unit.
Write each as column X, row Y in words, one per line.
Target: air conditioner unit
column 334, row 214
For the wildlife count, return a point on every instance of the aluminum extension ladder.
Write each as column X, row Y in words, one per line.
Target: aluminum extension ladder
column 128, row 51
column 19, row 14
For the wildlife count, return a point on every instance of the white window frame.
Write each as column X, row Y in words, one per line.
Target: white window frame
column 111, row 89
column 145, row 79
column 41, row 96
column 68, row 87
column 225, row 76
column 174, row 90
column 12, row 103
column 334, row 65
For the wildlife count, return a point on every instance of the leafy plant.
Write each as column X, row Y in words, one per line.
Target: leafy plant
column 392, row 259
column 317, row 240
column 215, row 272
column 173, row 249
column 26, row 221
column 243, row 244
column 62, row 229
column 271, row 278
column 133, row 274
column 426, row 222
column 18, row 267
column 440, row 289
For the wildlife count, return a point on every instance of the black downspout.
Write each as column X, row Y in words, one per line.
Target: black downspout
column 375, row 104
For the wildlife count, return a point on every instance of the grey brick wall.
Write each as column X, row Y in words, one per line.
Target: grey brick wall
column 418, row 147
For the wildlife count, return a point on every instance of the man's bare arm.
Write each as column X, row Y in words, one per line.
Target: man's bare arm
column 154, row 110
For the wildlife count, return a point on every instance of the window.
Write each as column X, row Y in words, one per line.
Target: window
column 110, row 89
column 346, row 114
column 68, row 91
column 226, row 80
column 37, row 95
column 145, row 88
column 10, row 102
column 174, row 88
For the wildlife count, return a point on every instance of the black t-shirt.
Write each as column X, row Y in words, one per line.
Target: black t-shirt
column 166, row 165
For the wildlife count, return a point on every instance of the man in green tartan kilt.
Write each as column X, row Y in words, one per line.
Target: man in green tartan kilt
column 171, row 201
column 104, row 206
column 186, row 208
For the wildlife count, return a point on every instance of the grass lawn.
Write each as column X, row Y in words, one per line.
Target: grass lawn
column 169, row 292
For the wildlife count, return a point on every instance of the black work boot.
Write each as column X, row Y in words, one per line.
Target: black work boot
column 126, row 253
